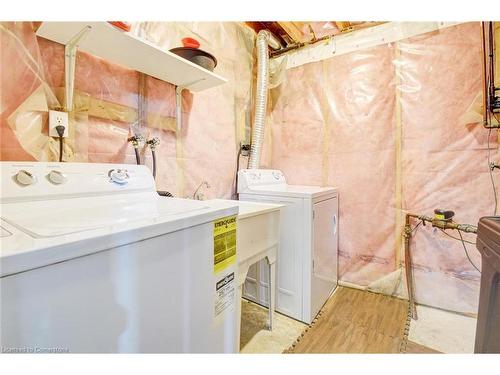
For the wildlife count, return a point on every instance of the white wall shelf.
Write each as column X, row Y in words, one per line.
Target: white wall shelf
column 123, row 48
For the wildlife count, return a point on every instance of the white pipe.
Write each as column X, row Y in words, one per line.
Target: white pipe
column 274, row 43
column 260, row 98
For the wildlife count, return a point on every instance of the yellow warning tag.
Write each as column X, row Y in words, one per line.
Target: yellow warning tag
column 224, row 243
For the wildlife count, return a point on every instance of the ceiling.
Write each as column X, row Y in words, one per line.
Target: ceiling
column 293, row 33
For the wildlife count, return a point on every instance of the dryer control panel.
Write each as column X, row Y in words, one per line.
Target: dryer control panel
column 255, row 177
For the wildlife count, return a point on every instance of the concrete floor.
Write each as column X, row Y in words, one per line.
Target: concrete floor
column 255, row 338
column 444, row 331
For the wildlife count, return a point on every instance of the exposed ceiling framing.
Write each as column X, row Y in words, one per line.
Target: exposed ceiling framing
column 296, row 33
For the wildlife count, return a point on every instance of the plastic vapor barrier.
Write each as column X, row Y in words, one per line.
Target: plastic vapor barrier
column 396, row 127
column 388, row 126
column 106, row 105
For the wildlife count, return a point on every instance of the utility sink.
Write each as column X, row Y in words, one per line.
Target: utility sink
column 258, row 230
column 257, row 238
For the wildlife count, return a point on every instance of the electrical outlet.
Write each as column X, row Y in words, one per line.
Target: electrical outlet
column 57, row 118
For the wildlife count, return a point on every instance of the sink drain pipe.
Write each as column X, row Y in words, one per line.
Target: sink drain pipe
column 264, row 39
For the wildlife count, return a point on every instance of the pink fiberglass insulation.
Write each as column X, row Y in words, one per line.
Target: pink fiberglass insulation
column 332, row 122
column 335, row 123
column 33, row 75
column 444, row 162
column 361, row 159
column 217, row 117
column 20, row 76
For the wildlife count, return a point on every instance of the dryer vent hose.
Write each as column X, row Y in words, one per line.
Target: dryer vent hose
column 263, row 39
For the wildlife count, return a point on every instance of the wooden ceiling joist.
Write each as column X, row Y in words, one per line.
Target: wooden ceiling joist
column 294, row 32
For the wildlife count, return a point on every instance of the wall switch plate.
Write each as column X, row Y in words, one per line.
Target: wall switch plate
column 57, row 118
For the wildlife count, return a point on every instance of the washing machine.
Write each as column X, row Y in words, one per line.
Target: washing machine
column 307, row 258
column 92, row 260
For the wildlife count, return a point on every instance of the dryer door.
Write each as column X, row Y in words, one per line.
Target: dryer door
column 325, row 243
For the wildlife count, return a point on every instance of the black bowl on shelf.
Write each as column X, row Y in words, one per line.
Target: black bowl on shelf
column 197, row 56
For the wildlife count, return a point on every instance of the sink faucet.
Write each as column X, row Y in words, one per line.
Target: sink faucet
column 200, row 196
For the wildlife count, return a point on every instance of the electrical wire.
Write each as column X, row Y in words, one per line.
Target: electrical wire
column 416, row 226
column 461, row 239
column 237, row 170
column 60, row 132
column 466, row 252
column 491, row 174
column 455, row 238
column 61, row 146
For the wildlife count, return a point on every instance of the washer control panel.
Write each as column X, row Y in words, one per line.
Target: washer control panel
column 42, row 180
column 118, row 176
column 24, row 178
column 57, row 177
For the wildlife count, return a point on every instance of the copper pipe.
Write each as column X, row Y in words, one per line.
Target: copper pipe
column 491, row 57
column 437, row 223
column 484, row 65
column 442, row 224
column 408, row 267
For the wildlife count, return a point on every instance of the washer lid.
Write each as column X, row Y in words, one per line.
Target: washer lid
column 60, row 217
column 302, row 191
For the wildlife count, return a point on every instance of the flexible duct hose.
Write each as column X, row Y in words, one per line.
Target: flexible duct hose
column 260, row 99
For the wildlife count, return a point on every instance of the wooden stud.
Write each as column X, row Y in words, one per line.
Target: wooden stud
column 94, row 107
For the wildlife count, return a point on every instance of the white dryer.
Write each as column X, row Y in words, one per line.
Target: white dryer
column 307, row 257
column 93, row 260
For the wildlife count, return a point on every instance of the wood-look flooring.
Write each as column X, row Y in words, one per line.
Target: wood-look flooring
column 355, row 321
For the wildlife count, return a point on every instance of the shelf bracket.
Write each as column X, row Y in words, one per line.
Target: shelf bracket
column 178, row 107
column 69, row 66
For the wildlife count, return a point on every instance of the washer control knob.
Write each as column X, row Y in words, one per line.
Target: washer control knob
column 119, row 176
column 57, row 177
column 25, row 178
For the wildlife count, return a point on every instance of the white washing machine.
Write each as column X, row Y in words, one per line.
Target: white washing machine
column 93, row 260
column 307, row 257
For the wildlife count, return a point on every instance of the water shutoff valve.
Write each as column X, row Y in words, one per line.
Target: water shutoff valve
column 245, row 149
column 153, row 143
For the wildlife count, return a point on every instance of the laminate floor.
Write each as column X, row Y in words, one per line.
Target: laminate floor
column 355, row 321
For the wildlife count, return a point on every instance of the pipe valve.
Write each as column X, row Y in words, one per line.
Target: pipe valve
column 136, row 140
column 245, row 149
column 153, row 143
column 493, row 166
